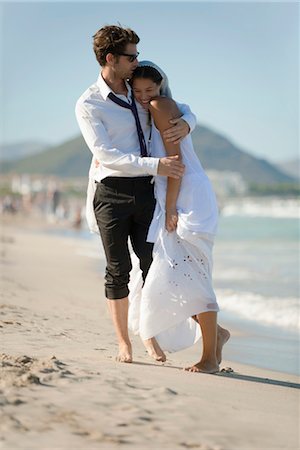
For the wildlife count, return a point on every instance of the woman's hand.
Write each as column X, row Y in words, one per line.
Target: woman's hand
column 171, row 219
column 97, row 163
column 177, row 132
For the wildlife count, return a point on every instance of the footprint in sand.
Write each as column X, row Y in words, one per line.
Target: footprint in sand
column 24, row 370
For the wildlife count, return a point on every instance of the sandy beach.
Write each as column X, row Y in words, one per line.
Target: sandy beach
column 60, row 387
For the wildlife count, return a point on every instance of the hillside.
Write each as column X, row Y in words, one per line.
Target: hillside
column 219, row 153
column 290, row 167
column 72, row 159
column 16, row 151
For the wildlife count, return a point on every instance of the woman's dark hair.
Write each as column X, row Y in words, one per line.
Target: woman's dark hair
column 147, row 72
column 112, row 39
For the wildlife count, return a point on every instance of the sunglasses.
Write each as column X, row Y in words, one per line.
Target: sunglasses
column 131, row 58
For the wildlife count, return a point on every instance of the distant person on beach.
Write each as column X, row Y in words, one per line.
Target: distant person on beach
column 116, row 130
column 177, row 295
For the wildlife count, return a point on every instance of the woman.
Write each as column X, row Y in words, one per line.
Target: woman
column 178, row 287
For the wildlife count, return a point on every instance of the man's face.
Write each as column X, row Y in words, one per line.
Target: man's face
column 127, row 62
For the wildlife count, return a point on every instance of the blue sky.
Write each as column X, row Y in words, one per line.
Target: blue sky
column 234, row 63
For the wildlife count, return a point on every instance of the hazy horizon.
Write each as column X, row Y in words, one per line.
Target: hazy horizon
column 48, row 146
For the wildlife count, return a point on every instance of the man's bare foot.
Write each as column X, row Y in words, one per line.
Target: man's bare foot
column 125, row 353
column 154, row 350
column 204, row 367
column 223, row 336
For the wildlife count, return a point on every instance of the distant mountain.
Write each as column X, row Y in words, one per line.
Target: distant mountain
column 19, row 150
column 72, row 159
column 290, row 167
column 219, row 153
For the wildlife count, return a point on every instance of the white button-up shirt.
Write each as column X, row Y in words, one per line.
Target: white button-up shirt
column 110, row 133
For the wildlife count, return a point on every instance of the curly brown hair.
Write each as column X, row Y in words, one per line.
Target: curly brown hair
column 112, row 39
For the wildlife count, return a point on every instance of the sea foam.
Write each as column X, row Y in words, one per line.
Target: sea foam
column 280, row 312
column 265, row 207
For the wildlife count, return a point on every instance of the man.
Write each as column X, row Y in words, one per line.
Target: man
column 124, row 199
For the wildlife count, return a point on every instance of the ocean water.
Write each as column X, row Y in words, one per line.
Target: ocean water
column 256, row 279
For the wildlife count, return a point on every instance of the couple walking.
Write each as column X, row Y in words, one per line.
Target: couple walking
column 162, row 287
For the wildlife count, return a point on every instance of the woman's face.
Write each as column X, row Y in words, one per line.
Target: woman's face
column 144, row 90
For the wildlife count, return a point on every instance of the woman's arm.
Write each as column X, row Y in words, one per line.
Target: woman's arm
column 184, row 125
column 164, row 109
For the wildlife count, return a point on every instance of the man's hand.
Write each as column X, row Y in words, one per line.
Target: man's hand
column 177, row 132
column 171, row 219
column 170, row 166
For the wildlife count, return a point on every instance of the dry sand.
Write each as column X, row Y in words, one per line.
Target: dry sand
column 60, row 387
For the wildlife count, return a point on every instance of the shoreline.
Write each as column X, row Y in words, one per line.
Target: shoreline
column 61, row 388
column 264, row 346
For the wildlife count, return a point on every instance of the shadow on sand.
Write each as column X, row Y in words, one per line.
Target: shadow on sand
column 235, row 375
column 239, row 376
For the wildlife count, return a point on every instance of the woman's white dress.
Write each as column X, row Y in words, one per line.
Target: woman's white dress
column 179, row 282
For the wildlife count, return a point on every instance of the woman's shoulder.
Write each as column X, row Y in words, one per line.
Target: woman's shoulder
column 162, row 104
column 162, row 100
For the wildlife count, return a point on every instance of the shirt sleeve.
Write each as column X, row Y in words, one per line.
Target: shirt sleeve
column 98, row 141
column 188, row 116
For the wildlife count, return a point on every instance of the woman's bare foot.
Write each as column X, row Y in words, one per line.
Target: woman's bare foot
column 154, row 350
column 125, row 353
column 223, row 336
column 204, row 367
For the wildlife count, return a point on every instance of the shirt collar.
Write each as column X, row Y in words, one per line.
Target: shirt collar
column 105, row 89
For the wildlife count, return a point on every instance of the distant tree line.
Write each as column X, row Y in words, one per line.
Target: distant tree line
column 280, row 189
